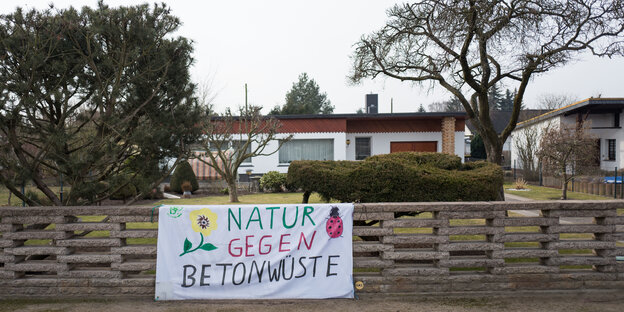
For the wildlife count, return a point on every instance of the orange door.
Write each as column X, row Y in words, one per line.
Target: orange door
column 419, row 146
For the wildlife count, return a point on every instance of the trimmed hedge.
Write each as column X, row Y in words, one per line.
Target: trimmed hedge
column 183, row 172
column 399, row 177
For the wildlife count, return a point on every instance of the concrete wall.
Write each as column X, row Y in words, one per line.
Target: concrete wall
column 506, row 252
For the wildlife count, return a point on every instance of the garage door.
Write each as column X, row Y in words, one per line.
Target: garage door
column 417, row 146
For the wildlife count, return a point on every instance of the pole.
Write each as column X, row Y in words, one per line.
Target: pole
column 391, row 105
column 622, row 185
column 615, row 183
column 541, row 179
column 245, row 97
column 61, row 193
column 514, row 170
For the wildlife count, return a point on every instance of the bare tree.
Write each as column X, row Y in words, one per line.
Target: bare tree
column 230, row 140
column 450, row 105
column 526, row 143
column 469, row 46
column 552, row 101
column 567, row 150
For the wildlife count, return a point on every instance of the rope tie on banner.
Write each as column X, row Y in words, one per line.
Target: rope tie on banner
column 152, row 217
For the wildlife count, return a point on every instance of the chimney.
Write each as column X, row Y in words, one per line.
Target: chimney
column 371, row 104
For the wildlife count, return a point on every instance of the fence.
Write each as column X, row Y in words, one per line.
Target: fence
column 447, row 247
column 591, row 182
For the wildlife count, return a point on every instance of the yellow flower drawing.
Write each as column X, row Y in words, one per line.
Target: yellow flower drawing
column 203, row 221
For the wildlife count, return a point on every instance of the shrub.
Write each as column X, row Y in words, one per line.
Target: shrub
column 399, row 177
column 183, row 172
column 186, row 186
column 39, row 198
column 125, row 192
column 273, row 181
column 520, row 184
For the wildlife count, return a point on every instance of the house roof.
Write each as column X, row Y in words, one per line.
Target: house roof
column 372, row 116
column 369, row 123
column 500, row 119
column 586, row 106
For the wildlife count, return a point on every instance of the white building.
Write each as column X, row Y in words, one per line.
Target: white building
column 606, row 120
column 354, row 137
column 500, row 119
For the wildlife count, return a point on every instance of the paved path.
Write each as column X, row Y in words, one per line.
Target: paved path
column 478, row 301
column 167, row 195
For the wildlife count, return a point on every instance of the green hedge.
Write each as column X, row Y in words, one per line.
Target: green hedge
column 399, row 177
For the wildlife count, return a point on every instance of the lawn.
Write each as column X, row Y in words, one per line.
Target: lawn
column 15, row 201
column 260, row 198
column 548, row 193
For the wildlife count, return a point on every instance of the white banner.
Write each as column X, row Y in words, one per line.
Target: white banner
column 254, row 252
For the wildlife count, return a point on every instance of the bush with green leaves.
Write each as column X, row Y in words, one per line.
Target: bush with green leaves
column 399, row 177
column 273, row 181
column 183, row 172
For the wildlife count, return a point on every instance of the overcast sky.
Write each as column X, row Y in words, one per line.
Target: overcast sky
column 267, row 44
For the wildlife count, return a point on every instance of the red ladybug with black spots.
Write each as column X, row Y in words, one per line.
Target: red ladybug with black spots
column 334, row 226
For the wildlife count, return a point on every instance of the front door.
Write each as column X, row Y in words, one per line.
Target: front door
column 415, row 146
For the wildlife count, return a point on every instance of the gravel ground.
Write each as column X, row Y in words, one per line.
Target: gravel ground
column 568, row 302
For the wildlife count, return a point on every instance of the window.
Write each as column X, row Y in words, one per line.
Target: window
column 317, row 149
column 362, row 148
column 611, row 149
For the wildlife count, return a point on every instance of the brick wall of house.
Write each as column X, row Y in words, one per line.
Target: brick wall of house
column 448, row 135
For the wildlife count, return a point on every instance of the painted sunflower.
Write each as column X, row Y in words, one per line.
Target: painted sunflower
column 203, row 221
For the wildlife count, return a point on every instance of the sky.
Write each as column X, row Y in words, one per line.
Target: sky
column 268, row 44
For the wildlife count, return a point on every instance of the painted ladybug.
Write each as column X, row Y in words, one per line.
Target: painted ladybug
column 334, row 223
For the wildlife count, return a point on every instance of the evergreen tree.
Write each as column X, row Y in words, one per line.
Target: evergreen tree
column 101, row 95
column 506, row 103
column 495, row 97
column 183, row 173
column 304, row 97
column 477, row 148
column 421, row 109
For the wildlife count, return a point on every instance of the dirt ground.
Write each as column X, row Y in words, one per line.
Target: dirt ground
column 568, row 302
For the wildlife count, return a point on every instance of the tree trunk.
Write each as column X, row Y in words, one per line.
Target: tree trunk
column 306, row 197
column 233, row 191
column 494, row 150
column 564, row 187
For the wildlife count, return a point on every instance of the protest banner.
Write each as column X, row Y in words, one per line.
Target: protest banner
column 254, row 252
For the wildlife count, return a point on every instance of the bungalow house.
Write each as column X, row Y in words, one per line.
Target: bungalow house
column 606, row 120
column 354, row 137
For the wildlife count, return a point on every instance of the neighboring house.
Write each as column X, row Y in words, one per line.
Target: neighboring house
column 500, row 119
column 606, row 120
column 354, row 137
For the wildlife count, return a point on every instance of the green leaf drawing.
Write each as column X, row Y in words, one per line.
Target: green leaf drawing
column 208, row 247
column 187, row 245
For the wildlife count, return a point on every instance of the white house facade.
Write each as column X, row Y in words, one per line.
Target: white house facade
column 604, row 115
column 353, row 137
